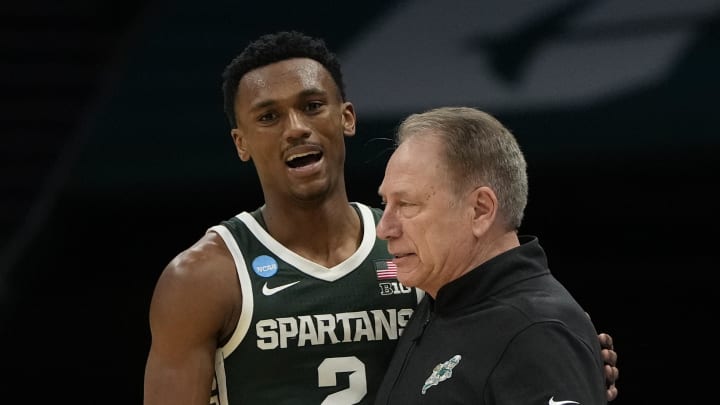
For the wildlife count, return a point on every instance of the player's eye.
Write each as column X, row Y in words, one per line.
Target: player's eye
column 313, row 105
column 267, row 117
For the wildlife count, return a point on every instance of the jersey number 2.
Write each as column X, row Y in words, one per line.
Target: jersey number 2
column 327, row 377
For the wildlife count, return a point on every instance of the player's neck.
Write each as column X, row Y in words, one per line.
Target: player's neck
column 326, row 233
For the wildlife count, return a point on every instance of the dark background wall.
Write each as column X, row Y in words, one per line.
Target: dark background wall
column 116, row 155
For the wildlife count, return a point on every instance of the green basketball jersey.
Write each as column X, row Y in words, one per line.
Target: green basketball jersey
column 309, row 334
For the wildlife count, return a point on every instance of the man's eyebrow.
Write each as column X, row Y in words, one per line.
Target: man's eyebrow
column 262, row 104
column 313, row 92
column 305, row 93
column 396, row 194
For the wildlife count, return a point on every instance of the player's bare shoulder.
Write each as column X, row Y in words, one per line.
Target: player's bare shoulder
column 206, row 264
column 200, row 280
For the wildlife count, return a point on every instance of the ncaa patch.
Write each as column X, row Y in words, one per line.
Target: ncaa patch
column 264, row 266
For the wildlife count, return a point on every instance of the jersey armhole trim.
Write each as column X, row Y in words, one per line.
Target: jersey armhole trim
column 245, row 287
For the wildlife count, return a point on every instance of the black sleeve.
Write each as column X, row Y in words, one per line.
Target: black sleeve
column 547, row 364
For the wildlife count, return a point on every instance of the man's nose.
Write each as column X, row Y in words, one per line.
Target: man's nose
column 296, row 125
column 388, row 226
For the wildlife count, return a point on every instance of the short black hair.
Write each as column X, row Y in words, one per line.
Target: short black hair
column 276, row 47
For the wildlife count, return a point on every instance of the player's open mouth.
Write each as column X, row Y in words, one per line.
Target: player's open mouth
column 303, row 159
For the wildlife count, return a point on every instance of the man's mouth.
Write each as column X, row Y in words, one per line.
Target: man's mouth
column 303, row 159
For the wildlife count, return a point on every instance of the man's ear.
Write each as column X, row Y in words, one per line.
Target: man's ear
column 349, row 120
column 239, row 141
column 485, row 207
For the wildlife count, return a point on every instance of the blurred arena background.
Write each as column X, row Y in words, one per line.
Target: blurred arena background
column 116, row 155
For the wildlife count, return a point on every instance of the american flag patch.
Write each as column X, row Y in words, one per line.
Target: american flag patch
column 385, row 269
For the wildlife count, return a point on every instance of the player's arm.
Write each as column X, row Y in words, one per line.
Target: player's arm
column 191, row 307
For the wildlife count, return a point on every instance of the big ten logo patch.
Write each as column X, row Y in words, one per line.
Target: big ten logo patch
column 393, row 288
